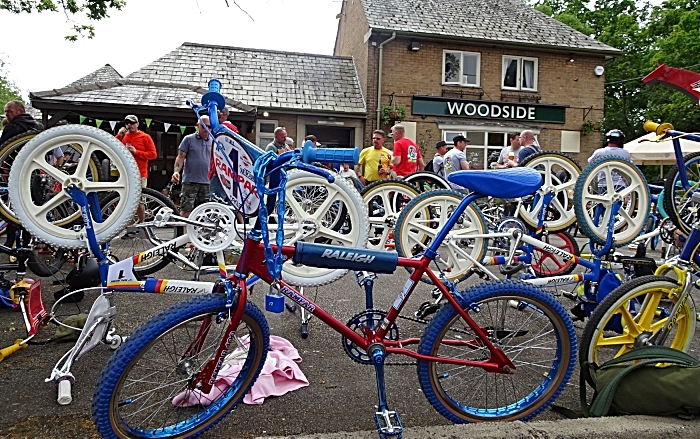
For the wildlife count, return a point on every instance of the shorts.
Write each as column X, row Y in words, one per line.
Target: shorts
column 192, row 195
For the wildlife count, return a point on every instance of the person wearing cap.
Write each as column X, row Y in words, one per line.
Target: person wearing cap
column 223, row 120
column 375, row 163
column 279, row 145
column 439, row 159
column 456, row 159
column 406, row 156
column 141, row 146
column 509, row 155
column 194, row 155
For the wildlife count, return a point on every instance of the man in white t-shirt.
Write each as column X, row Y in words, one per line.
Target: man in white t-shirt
column 456, row 159
column 509, row 154
column 615, row 140
column 439, row 159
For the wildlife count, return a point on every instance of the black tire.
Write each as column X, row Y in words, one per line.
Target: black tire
column 426, row 181
column 171, row 350
column 680, row 206
column 139, row 239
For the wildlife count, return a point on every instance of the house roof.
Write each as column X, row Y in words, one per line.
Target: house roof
column 135, row 92
column 264, row 78
column 506, row 21
column 103, row 74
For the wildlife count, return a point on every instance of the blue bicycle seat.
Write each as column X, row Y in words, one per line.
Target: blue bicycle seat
column 499, row 183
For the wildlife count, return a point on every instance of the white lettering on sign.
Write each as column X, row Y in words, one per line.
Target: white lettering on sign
column 494, row 111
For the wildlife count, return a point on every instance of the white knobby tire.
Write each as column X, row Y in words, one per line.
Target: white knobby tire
column 311, row 200
column 32, row 159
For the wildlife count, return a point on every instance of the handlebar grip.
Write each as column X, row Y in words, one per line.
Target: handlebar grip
column 318, row 171
column 214, row 94
column 658, row 128
column 331, row 155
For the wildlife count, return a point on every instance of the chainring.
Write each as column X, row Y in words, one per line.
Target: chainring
column 508, row 222
column 370, row 318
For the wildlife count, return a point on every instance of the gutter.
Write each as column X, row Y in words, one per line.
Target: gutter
column 379, row 79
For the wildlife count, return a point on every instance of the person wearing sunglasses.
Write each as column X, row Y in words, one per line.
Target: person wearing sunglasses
column 141, row 146
column 376, row 161
column 193, row 155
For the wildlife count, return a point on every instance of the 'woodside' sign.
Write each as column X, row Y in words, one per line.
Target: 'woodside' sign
column 478, row 109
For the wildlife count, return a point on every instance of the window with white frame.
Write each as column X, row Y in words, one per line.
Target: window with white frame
column 481, row 144
column 264, row 132
column 519, row 73
column 461, row 68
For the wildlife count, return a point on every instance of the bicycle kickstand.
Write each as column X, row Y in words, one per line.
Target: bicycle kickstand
column 387, row 421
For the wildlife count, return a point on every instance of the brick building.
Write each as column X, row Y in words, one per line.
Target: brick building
column 482, row 68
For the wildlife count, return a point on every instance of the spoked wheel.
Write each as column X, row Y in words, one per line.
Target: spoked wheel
column 384, row 201
column 631, row 315
column 331, row 213
column 550, row 264
column 36, row 215
column 559, row 175
column 138, row 239
column 426, row 181
column 148, row 388
column 63, row 214
column 602, row 183
column 422, row 219
column 677, row 201
column 529, row 326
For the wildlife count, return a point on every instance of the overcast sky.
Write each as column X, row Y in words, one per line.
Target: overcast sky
column 38, row 58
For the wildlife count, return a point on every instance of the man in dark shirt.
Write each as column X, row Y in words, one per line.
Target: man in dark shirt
column 19, row 122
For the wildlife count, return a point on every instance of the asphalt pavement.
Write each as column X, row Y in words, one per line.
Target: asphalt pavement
column 338, row 403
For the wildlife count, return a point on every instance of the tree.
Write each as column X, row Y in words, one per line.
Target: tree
column 94, row 10
column 8, row 90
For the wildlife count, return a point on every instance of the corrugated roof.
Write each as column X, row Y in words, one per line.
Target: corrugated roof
column 103, row 74
column 264, row 78
column 505, row 21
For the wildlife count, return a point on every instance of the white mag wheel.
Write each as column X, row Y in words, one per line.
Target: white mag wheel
column 602, row 183
column 36, row 214
column 208, row 239
column 422, row 219
column 559, row 175
column 323, row 213
column 384, row 201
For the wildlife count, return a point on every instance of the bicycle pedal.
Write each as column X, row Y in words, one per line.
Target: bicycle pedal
column 388, row 424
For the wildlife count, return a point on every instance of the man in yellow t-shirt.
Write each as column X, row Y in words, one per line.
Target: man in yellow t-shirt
column 376, row 161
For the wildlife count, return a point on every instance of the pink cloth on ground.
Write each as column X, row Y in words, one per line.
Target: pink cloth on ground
column 280, row 374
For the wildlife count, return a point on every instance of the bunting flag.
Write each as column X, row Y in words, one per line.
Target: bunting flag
column 167, row 126
column 98, row 122
column 113, row 123
column 148, row 122
column 82, row 118
column 182, row 129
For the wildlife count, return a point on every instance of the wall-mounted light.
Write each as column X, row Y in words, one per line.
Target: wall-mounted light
column 570, row 62
column 415, row 46
column 265, row 114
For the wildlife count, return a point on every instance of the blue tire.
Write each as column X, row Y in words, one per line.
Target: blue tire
column 533, row 330
column 134, row 395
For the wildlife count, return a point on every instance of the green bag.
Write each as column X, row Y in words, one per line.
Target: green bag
column 651, row 380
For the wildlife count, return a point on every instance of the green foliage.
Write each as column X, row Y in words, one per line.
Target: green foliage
column 588, row 127
column 647, row 34
column 94, row 10
column 392, row 113
column 8, row 90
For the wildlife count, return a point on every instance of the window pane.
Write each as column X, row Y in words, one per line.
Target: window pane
column 475, row 157
column 477, row 137
column 264, row 141
column 447, row 136
column 510, row 72
column 528, row 74
column 452, row 67
column 470, row 69
column 267, row 127
column 496, row 139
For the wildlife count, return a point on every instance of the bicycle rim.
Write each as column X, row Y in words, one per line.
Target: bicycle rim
column 145, row 389
column 531, row 328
